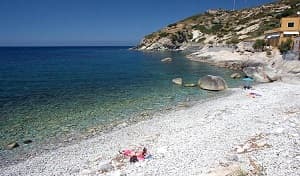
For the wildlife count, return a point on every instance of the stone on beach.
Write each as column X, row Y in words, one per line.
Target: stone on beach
column 167, row 59
column 232, row 170
column 107, row 167
column 210, row 82
column 177, row 81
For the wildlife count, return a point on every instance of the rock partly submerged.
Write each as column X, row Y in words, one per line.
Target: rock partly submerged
column 167, row 59
column 235, row 75
column 211, row 82
column 11, row 145
column 190, row 85
column 177, row 81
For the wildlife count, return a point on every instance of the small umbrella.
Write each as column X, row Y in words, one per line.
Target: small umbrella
column 248, row 82
column 248, row 79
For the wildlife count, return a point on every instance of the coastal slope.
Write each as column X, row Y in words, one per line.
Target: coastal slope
column 218, row 26
column 250, row 130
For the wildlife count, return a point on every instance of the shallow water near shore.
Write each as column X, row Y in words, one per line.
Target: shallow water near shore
column 53, row 95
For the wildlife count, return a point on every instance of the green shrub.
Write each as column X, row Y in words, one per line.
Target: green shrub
column 215, row 28
column 201, row 40
column 233, row 41
column 259, row 45
column 286, row 13
column 173, row 24
column 190, row 35
column 220, row 35
column 202, row 28
column 163, row 34
column 150, row 36
column 285, row 46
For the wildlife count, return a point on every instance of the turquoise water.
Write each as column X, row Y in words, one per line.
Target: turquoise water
column 59, row 94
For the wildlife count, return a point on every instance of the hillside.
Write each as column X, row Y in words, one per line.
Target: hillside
column 220, row 26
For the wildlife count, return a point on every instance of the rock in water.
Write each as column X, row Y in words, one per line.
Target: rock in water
column 210, row 82
column 167, row 59
column 11, row 146
column 235, row 75
column 177, row 81
column 28, row 141
column 190, row 85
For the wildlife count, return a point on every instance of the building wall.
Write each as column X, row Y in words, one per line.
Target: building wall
column 285, row 21
column 296, row 44
column 285, row 28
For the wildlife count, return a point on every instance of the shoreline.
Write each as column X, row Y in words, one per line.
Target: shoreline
column 147, row 114
column 171, row 137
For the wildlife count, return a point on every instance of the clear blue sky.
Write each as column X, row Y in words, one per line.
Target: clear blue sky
column 96, row 22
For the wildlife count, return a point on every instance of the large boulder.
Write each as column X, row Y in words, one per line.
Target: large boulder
column 177, row 81
column 210, row 82
column 262, row 74
column 271, row 73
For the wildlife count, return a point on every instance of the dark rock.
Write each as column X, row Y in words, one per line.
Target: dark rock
column 28, row 141
column 210, row 82
column 11, row 146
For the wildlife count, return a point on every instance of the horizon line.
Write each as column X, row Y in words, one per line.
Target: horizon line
column 11, row 46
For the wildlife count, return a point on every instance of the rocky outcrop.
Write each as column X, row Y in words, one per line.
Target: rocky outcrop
column 210, row 82
column 262, row 73
column 162, row 44
column 177, row 81
column 168, row 40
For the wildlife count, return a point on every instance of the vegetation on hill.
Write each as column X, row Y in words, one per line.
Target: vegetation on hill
column 221, row 26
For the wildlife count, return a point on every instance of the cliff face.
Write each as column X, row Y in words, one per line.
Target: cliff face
column 220, row 26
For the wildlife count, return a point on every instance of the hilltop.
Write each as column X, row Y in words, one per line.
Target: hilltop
column 220, row 26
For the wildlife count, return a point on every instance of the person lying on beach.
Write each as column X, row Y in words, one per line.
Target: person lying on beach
column 135, row 156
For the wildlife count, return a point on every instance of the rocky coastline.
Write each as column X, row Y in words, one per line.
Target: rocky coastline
column 258, row 65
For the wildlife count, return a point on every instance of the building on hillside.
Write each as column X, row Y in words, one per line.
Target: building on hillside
column 289, row 29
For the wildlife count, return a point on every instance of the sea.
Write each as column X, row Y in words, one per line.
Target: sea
column 57, row 96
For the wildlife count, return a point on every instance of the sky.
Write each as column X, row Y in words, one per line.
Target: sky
column 96, row 22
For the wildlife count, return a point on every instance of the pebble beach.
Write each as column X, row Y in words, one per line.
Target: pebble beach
column 252, row 131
